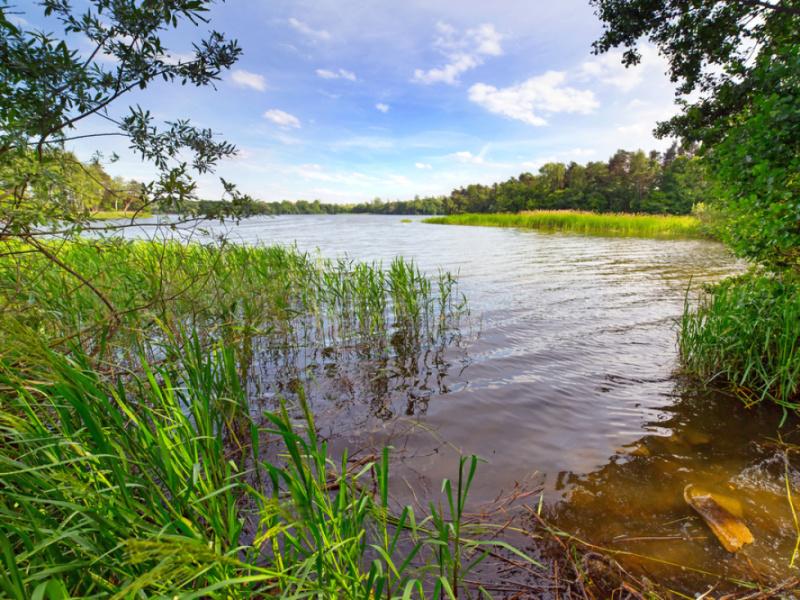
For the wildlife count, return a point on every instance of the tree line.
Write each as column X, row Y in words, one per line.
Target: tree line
column 671, row 182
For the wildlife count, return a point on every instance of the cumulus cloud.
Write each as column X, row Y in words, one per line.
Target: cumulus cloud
column 309, row 32
column 544, row 94
column 250, row 80
column 337, row 74
column 384, row 108
column 282, row 118
column 424, row 166
column 463, row 52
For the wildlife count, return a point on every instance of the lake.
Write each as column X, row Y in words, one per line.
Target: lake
column 565, row 381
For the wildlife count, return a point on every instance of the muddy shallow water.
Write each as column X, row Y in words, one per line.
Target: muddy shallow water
column 564, row 380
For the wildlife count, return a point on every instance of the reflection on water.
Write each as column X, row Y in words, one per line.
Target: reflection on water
column 349, row 385
column 635, row 502
column 567, row 381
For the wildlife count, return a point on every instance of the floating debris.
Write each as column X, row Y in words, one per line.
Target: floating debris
column 730, row 530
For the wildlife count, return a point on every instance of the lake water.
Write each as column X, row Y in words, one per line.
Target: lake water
column 565, row 382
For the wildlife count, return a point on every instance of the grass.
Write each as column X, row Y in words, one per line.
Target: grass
column 283, row 298
column 612, row 225
column 107, row 215
column 156, row 485
column 743, row 334
column 133, row 465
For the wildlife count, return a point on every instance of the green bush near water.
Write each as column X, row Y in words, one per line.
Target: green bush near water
column 744, row 334
column 614, row 225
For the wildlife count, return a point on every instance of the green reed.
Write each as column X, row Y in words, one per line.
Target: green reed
column 231, row 293
column 158, row 483
column 601, row 224
column 744, row 334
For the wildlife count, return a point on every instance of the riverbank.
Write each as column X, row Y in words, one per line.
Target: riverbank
column 742, row 335
column 193, row 323
column 611, row 225
column 134, row 461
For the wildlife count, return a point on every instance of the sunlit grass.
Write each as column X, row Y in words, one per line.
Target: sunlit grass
column 600, row 224
column 134, row 465
column 744, row 334
column 107, row 215
column 134, row 290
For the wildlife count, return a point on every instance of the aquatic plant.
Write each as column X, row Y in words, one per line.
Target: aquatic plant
column 160, row 483
column 588, row 223
column 744, row 334
column 238, row 294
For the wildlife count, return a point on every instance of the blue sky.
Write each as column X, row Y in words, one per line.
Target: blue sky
column 347, row 100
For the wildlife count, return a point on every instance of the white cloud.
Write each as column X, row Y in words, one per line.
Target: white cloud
column 314, row 34
column 337, row 74
column 609, row 70
column 424, row 166
column 575, row 153
column 542, row 95
column 174, row 58
column 281, row 118
column 399, row 179
column 250, row 80
column 462, row 52
column 384, row 108
column 468, row 157
column 316, row 172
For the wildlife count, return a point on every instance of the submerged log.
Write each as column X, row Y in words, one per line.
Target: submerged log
column 730, row 530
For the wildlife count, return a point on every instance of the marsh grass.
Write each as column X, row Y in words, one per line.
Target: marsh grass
column 108, row 215
column 612, row 225
column 152, row 485
column 133, row 463
column 743, row 334
column 236, row 294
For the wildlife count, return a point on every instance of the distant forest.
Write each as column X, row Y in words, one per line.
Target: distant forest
column 659, row 183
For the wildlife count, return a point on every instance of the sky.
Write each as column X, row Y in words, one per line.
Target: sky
column 345, row 101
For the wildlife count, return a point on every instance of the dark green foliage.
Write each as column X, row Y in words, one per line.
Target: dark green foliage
column 713, row 48
column 757, row 163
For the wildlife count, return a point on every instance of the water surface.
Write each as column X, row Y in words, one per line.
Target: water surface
column 566, row 382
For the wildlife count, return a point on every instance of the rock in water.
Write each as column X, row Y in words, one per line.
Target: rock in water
column 729, row 529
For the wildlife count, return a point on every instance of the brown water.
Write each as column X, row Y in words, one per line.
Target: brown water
column 564, row 381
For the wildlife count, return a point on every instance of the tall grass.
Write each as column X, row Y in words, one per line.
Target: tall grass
column 156, row 485
column 613, row 225
column 744, row 334
column 277, row 296
column 132, row 463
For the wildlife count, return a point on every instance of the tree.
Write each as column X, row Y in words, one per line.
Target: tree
column 742, row 58
column 712, row 47
column 48, row 89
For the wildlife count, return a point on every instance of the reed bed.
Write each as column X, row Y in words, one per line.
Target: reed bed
column 743, row 334
column 153, row 486
column 587, row 223
column 131, row 291
column 134, row 464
